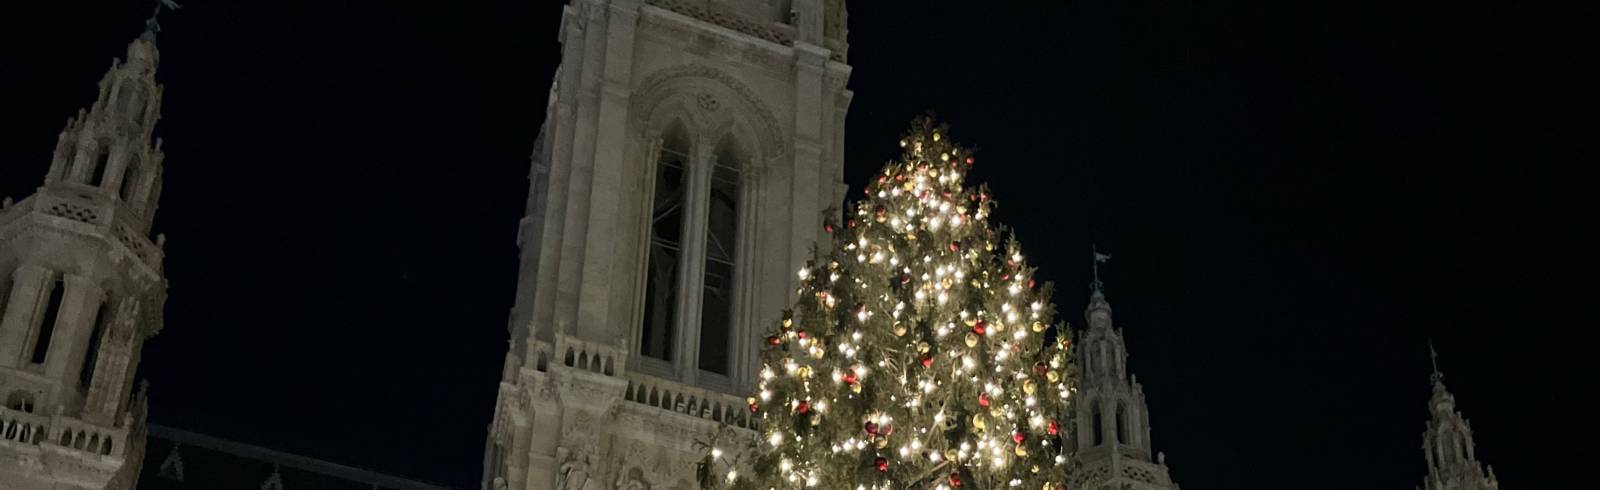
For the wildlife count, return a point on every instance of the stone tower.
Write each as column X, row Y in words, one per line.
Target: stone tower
column 81, row 288
column 1111, row 433
column 689, row 152
column 1448, row 447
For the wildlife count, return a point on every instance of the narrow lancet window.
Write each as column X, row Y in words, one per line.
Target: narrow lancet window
column 722, row 226
column 1098, row 423
column 1122, row 424
column 47, row 325
column 92, row 356
column 666, row 247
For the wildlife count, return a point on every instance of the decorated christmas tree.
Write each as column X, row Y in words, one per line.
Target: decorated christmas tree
column 921, row 353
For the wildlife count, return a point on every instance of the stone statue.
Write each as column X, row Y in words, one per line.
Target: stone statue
column 574, row 472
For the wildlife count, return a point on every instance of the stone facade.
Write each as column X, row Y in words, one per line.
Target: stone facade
column 81, row 288
column 1111, row 424
column 689, row 152
column 1447, row 445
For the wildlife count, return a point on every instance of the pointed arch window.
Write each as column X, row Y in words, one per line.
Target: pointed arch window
column 130, row 181
column 47, row 323
column 722, row 226
column 91, row 357
column 663, row 264
column 1097, row 422
column 1123, row 437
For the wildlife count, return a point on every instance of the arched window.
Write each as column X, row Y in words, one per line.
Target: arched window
column 47, row 324
column 722, row 227
column 130, row 179
column 102, row 162
column 102, row 318
column 20, row 401
column 669, row 194
column 1122, row 424
column 1098, row 423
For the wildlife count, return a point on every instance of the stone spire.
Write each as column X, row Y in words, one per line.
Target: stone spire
column 81, row 289
column 1111, row 429
column 1447, row 444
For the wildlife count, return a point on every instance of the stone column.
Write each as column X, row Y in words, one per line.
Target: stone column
column 27, row 284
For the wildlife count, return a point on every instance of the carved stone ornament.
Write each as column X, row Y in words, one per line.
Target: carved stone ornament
column 655, row 89
column 707, row 102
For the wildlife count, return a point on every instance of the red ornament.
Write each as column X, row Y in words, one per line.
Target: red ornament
column 927, row 361
column 979, row 328
column 849, row 377
column 1054, row 428
column 983, row 399
column 1017, row 436
column 955, row 246
column 1030, row 284
column 754, row 407
column 774, row 340
column 882, row 464
column 802, row 407
column 969, row 160
column 800, row 334
column 851, row 223
column 955, row 478
column 828, row 227
column 871, row 427
column 1040, row 368
column 886, row 430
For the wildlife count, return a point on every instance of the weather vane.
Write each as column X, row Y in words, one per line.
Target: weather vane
column 1098, row 259
column 1434, row 356
column 151, row 26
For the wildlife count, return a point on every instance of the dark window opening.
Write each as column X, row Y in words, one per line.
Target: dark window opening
column 666, row 246
column 716, row 302
column 101, row 162
column 1098, row 422
column 129, row 179
column 47, row 327
column 1122, row 424
column 101, row 319
column 20, row 401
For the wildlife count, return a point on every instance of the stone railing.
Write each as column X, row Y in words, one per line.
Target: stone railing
column 86, row 437
column 579, row 354
column 21, row 427
column 775, row 32
column 31, row 429
column 689, row 400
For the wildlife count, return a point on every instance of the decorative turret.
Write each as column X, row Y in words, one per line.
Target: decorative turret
column 1111, row 432
column 1447, row 444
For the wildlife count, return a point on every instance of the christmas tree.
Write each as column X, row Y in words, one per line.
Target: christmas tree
column 920, row 353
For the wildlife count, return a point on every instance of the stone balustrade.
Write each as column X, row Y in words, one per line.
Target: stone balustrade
column 579, row 354
column 20, row 427
column 689, row 400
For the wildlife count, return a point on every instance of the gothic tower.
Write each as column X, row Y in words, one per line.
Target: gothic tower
column 1111, row 429
column 1448, row 447
column 81, row 288
column 689, row 151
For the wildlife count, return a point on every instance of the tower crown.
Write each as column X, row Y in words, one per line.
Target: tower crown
column 81, row 289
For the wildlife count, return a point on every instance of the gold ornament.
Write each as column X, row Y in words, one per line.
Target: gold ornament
column 855, row 388
column 1038, row 327
column 1035, row 471
column 972, row 339
column 936, row 136
column 922, row 347
column 1028, row 386
column 883, row 442
column 999, row 326
column 1022, row 452
column 952, row 455
column 1052, row 376
column 899, row 329
column 978, row 424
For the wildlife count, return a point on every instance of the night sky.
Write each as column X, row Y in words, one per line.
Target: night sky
column 1297, row 198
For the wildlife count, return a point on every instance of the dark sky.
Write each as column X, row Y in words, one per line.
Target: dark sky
column 1297, row 197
